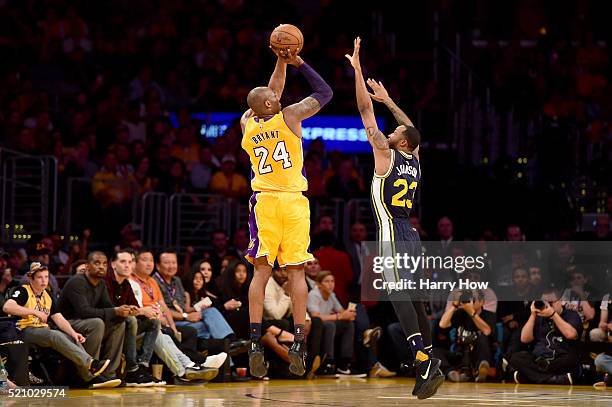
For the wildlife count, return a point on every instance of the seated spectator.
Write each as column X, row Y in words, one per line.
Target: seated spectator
column 86, row 304
column 515, row 313
column 337, row 322
column 208, row 289
column 34, row 305
column 202, row 171
column 175, row 180
column 228, row 182
column 336, row 261
column 140, row 321
column 78, row 267
column 6, row 280
column 208, row 322
column 181, row 356
column 186, row 147
column 554, row 332
column 536, row 279
column 111, row 185
column 603, row 332
column 576, row 296
column 220, row 250
column 603, row 363
column 312, row 268
column 475, row 332
column 235, row 282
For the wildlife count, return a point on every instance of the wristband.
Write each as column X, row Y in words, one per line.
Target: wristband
column 184, row 315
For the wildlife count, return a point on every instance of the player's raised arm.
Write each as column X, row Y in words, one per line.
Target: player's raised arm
column 277, row 80
column 245, row 117
column 381, row 95
column 377, row 139
column 322, row 94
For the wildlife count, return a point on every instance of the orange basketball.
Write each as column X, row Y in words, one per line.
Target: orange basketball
column 287, row 36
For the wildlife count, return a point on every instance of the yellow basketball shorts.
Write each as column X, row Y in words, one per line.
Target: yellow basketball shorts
column 279, row 226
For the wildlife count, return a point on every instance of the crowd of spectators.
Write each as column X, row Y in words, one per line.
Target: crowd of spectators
column 94, row 83
column 545, row 323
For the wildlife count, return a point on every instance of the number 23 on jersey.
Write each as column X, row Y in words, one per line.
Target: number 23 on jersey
column 398, row 198
column 279, row 154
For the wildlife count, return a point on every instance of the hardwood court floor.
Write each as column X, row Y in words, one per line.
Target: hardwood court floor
column 328, row 392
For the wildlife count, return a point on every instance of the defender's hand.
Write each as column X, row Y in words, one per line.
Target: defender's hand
column 354, row 59
column 380, row 93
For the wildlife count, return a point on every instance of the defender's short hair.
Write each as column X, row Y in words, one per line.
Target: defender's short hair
column 412, row 136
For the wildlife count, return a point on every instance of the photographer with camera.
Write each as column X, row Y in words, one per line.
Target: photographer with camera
column 553, row 330
column 475, row 327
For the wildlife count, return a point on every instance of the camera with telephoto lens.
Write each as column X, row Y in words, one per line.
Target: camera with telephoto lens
column 466, row 296
column 539, row 305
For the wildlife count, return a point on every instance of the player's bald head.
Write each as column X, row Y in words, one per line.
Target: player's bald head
column 263, row 101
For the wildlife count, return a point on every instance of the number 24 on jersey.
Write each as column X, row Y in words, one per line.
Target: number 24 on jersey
column 279, row 154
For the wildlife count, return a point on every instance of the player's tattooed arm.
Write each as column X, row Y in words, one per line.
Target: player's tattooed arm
column 364, row 104
column 297, row 112
column 377, row 139
column 381, row 95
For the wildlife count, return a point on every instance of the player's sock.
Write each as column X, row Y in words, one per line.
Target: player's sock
column 416, row 344
column 255, row 331
column 299, row 333
column 429, row 350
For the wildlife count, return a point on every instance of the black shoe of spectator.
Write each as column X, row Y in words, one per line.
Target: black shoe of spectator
column 238, row 347
column 428, row 378
column 104, row 383
column 139, row 378
column 328, row 370
column 297, row 358
column 257, row 363
column 97, row 367
column 565, row 379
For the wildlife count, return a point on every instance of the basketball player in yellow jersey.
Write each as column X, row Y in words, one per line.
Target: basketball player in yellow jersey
column 279, row 219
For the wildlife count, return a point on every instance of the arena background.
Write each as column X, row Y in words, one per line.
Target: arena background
column 107, row 107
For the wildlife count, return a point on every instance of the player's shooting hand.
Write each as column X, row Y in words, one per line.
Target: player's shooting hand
column 354, row 59
column 380, row 93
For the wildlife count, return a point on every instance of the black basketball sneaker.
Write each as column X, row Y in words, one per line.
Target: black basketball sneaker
column 428, row 378
column 257, row 363
column 297, row 358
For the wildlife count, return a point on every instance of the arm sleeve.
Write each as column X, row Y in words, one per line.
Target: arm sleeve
column 322, row 92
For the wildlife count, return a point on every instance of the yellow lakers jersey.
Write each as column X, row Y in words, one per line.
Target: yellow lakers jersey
column 43, row 304
column 277, row 160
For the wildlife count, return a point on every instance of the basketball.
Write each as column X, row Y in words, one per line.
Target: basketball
column 287, row 36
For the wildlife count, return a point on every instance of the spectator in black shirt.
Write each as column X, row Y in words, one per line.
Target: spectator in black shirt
column 85, row 303
column 475, row 330
column 514, row 314
column 553, row 330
